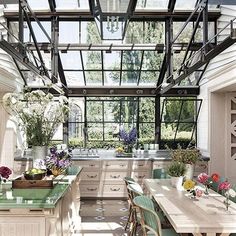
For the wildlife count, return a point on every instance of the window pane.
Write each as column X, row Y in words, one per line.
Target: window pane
column 71, row 60
column 147, row 110
column 112, row 77
column 112, row 111
column 93, row 77
column 95, row 131
column 147, row 131
column 74, row 78
column 129, row 111
column 66, row 29
column 94, row 111
column 111, row 131
column 168, row 131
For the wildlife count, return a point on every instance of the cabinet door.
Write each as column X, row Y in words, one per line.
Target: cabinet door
column 89, row 176
column 88, row 165
column 90, row 189
column 139, row 176
column 160, row 164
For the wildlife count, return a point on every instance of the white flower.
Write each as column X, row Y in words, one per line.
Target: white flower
column 231, row 193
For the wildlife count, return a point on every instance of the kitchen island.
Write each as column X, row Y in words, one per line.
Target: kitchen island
column 41, row 212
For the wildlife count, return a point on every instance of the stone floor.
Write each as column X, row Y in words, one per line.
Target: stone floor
column 103, row 217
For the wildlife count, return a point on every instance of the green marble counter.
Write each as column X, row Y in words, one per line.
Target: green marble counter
column 37, row 198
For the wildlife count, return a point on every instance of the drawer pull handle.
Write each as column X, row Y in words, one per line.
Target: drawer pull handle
column 92, row 165
column 91, row 189
column 32, row 182
column 114, row 176
column 108, row 165
column 140, row 164
column 92, row 176
column 122, row 165
column 140, row 176
column 114, row 189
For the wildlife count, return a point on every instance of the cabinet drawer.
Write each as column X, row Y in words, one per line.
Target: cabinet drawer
column 140, row 175
column 118, row 165
column 141, row 165
column 117, row 190
column 88, row 165
column 160, row 164
column 89, row 190
column 114, row 175
column 89, row 176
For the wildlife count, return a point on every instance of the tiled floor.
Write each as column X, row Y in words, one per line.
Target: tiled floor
column 103, row 218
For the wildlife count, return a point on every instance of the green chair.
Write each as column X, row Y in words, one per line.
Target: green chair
column 150, row 221
column 135, row 190
column 159, row 174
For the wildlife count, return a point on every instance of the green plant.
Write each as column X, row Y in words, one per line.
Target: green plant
column 176, row 169
column 187, row 156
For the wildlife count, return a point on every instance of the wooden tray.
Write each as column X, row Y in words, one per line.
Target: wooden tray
column 23, row 183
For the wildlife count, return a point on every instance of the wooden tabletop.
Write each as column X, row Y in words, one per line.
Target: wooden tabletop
column 206, row 214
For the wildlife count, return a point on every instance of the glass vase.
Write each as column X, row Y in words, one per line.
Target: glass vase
column 226, row 202
column 206, row 192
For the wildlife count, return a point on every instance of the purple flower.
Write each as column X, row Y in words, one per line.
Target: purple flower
column 130, row 137
column 58, row 159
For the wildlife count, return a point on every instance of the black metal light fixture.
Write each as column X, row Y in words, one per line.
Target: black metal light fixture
column 112, row 17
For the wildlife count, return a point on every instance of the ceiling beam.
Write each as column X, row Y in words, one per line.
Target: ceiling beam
column 230, row 40
column 139, row 15
column 138, row 91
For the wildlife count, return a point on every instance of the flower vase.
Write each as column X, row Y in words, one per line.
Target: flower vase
column 206, row 192
column 129, row 149
column 57, row 171
column 226, row 202
column 39, row 152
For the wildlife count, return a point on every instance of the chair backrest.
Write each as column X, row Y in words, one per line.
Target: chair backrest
column 149, row 218
column 159, row 174
column 129, row 180
column 135, row 190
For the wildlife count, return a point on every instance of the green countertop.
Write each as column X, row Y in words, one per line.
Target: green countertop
column 37, row 198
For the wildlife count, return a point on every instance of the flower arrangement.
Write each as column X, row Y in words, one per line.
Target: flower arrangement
column 176, row 169
column 128, row 138
column 58, row 160
column 189, row 186
column 207, row 180
column 38, row 113
column 225, row 188
column 187, row 156
column 5, row 172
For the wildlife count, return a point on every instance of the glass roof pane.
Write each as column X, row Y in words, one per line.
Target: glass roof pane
column 149, row 78
column 71, row 60
column 152, row 60
column 38, row 5
column 32, row 79
column 185, row 5
column 112, row 60
column 112, row 78
column 74, row 78
column 129, row 77
column 72, row 4
column 153, row 4
column 131, row 60
column 92, row 60
column 93, row 77
column 66, row 29
column 89, row 33
column 41, row 37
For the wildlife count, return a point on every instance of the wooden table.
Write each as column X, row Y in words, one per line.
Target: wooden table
column 206, row 214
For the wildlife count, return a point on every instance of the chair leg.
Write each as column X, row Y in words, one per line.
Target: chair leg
column 129, row 218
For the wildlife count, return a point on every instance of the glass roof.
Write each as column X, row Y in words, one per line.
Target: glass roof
column 89, row 61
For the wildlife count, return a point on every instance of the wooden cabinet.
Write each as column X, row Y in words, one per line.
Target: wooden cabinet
column 104, row 178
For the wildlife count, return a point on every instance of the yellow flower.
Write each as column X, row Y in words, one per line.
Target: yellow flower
column 188, row 184
column 120, row 149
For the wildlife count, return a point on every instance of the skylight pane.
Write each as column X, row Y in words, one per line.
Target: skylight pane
column 112, row 78
column 149, row 78
column 71, row 60
column 38, row 5
column 92, row 60
column 129, row 77
column 153, row 4
column 72, row 4
column 112, row 60
column 74, row 78
column 93, row 77
column 131, row 60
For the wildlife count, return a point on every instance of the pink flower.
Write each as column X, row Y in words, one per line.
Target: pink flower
column 5, row 172
column 224, row 185
column 199, row 192
column 203, row 178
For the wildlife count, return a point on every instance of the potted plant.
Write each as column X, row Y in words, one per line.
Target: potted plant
column 188, row 156
column 176, row 170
